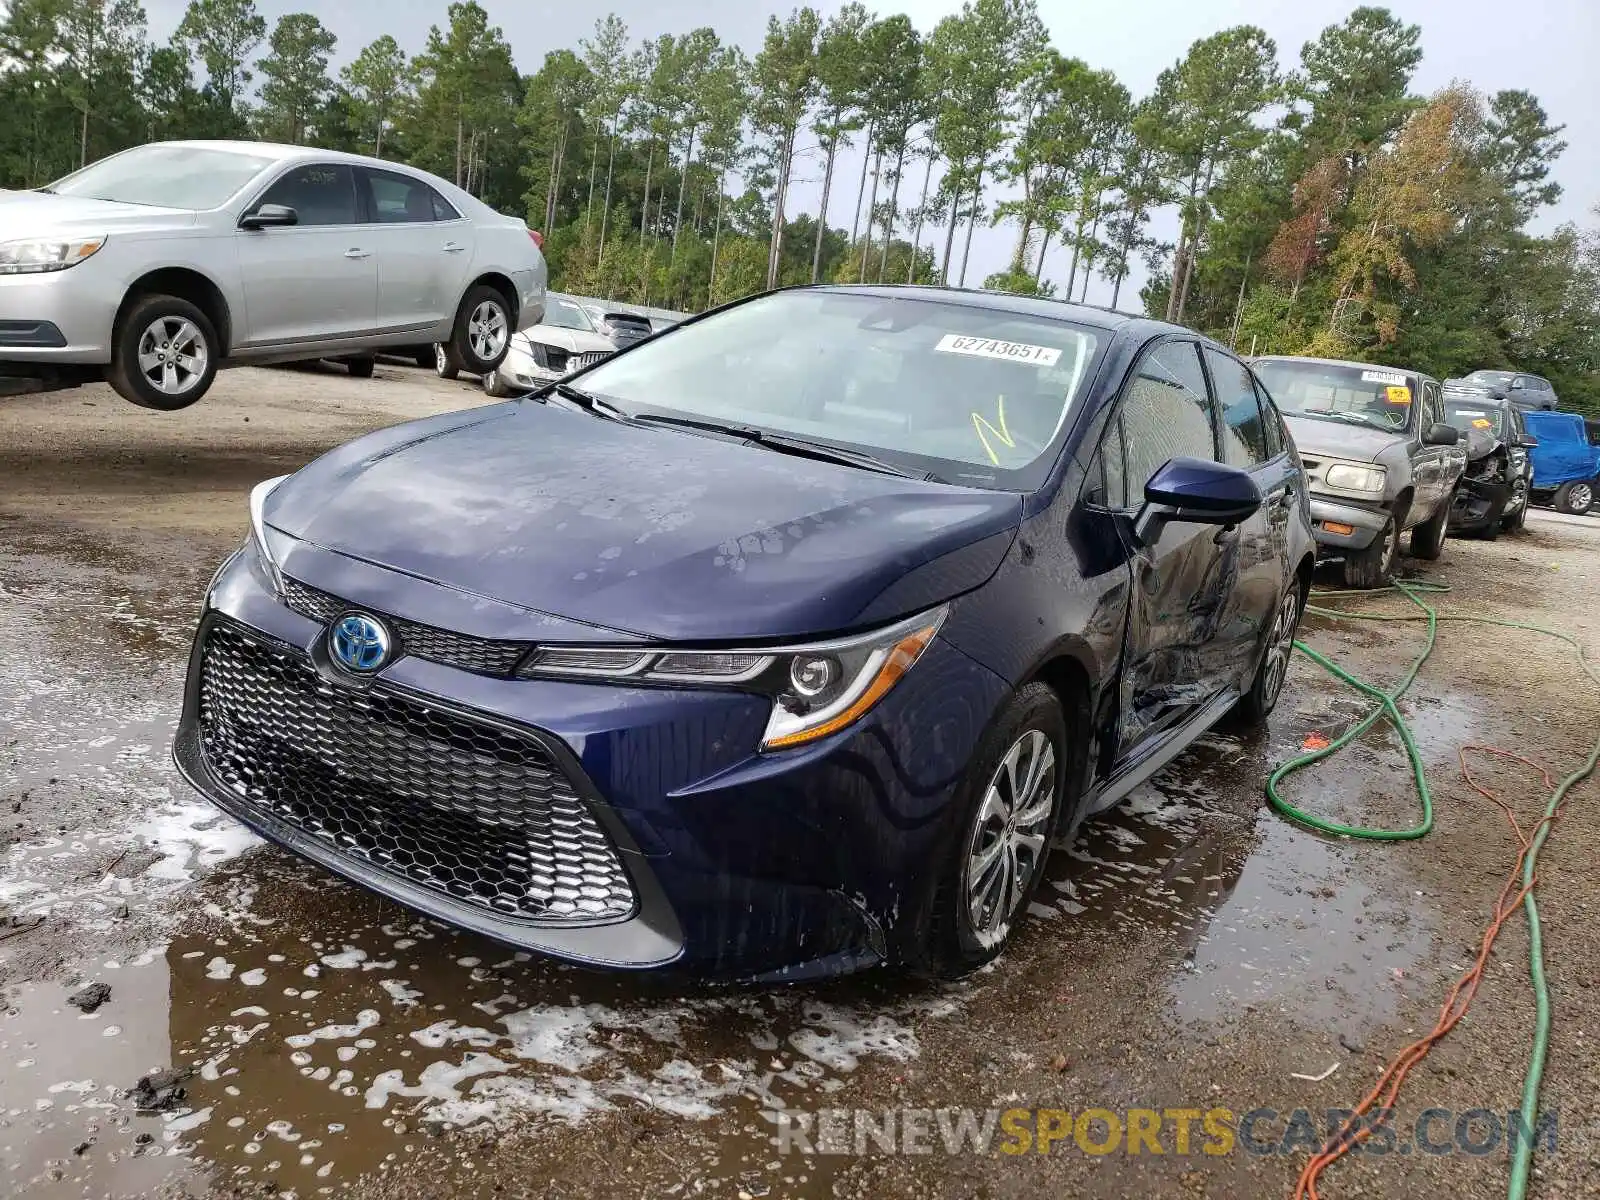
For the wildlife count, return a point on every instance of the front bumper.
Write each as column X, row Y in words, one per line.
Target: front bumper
column 1365, row 522
column 61, row 317
column 1479, row 503
column 811, row 861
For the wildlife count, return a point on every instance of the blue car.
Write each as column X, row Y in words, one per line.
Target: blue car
column 784, row 643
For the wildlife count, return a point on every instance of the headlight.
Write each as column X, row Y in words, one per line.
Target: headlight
column 1356, row 479
column 816, row 690
column 33, row 257
column 258, row 528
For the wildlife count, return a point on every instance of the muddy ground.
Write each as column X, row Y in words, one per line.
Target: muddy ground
column 1193, row 950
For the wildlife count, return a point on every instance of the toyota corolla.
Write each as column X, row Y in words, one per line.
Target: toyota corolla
column 785, row 643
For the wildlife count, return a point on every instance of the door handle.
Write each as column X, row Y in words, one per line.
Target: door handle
column 357, row 252
column 453, row 247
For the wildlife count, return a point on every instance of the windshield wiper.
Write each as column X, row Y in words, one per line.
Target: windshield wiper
column 1347, row 417
column 587, row 401
column 784, row 443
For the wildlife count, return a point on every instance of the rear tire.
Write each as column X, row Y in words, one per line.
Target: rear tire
column 482, row 333
column 1011, row 800
column 1257, row 704
column 425, row 358
column 164, row 354
column 443, row 365
column 360, row 368
column 1427, row 539
column 494, row 386
column 1374, row 566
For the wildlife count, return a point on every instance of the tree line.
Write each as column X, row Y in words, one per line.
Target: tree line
column 1323, row 207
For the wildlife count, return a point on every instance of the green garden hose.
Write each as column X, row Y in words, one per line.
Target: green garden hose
column 1522, row 1153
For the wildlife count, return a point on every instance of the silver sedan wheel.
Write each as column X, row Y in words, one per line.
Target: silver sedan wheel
column 487, row 330
column 1280, row 645
column 1008, row 837
column 173, row 355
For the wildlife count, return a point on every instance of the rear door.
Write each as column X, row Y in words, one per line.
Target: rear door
column 423, row 249
column 1260, row 548
column 1181, row 585
column 315, row 280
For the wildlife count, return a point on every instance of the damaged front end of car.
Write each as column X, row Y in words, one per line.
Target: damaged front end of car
column 1486, row 485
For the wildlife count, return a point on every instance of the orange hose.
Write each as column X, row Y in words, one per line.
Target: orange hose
column 1460, row 997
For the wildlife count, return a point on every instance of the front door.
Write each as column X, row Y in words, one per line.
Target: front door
column 315, row 280
column 1180, row 589
column 423, row 250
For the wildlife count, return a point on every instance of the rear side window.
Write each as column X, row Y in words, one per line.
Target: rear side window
column 1244, row 439
column 400, row 200
column 319, row 193
column 1166, row 413
column 443, row 210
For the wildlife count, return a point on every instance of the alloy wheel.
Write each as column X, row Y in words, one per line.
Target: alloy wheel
column 1580, row 497
column 486, row 331
column 1280, row 646
column 173, row 355
column 1007, row 845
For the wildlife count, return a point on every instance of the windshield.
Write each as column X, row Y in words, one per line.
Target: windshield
column 1357, row 395
column 167, row 176
column 977, row 396
column 565, row 314
column 1499, row 379
column 1467, row 416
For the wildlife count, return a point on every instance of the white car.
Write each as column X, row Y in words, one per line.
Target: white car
column 155, row 266
column 564, row 342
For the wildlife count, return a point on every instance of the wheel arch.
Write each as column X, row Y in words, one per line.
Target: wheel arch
column 185, row 283
column 500, row 282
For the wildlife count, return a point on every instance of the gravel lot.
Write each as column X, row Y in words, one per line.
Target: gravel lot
column 1191, row 951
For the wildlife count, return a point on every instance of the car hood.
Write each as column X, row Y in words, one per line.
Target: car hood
column 29, row 214
column 1325, row 438
column 645, row 531
column 574, row 341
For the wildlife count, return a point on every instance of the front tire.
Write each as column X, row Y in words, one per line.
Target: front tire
column 1427, row 539
column 482, row 332
column 1575, row 497
column 360, row 368
column 1374, row 566
column 164, row 354
column 493, row 385
column 1010, row 800
column 1257, row 704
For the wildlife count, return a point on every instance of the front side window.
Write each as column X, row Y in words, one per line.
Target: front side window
column 166, row 176
column 975, row 395
column 399, row 199
column 1166, row 414
column 319, row 193
column 1378, row 397
column 1244, row 437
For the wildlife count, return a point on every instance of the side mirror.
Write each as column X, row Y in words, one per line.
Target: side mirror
column 265, row 215
column 1197, row 491
column 1440, row 434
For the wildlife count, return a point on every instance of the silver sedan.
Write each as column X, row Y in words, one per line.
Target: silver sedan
column 155, row 266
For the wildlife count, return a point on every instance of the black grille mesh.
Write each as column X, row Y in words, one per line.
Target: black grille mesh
column 470, row 810
column 484, row 656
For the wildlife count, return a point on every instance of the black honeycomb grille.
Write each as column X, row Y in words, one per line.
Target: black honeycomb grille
column 478, row 813
column 483, row 656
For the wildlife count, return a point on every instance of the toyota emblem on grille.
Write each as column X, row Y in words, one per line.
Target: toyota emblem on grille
column 359, row 642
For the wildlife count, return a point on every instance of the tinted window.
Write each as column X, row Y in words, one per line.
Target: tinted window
column 1244, row 440
column 1166, row 414
column 1271, row 423
column 319, row 193
column 1106, row 486
column 168, row 176
column 400, row 200
column 443, row 210
column 978, row 395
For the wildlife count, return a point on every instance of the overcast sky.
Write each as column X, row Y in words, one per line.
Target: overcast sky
column 1546, row 46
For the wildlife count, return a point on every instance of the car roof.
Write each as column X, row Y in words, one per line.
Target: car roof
column 1342, row 362
column 279, row 152
column 1110, row 319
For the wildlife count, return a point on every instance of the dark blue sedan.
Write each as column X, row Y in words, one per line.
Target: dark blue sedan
column 786, row 642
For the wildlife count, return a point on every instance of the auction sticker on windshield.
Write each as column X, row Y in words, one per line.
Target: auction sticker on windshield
column 1392, row 378
column 955, row 343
